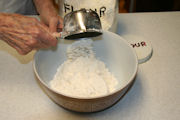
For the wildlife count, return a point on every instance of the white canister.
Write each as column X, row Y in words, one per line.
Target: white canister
column 106, row 9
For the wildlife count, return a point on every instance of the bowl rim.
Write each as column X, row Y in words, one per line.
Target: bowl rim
column 96, row 97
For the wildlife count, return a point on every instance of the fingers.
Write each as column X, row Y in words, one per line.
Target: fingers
column 47, row 39
column 14, row 46
column 56, row 34
column 17, row 42
column 37, row 37
column 53, row 25
column 26, row 34
column 18, row 49
column 56, row 24
column 60, row 23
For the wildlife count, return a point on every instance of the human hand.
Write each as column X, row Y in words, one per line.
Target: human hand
column 25, row 33
column 48, row 14
column 54, row 22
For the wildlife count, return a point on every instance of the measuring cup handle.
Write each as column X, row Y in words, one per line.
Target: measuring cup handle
column 58, row 34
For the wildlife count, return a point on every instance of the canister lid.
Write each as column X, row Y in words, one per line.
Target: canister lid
column 142, row 47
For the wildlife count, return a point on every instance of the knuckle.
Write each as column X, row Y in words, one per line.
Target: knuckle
column 54, row 18
column 54, row 43
column 22, row 52
column 32, row 42
column 34, row 20
column 36, row 31
column 26, row 51
column 45, row 46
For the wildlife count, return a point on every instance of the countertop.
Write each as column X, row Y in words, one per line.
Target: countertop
column 155, row 94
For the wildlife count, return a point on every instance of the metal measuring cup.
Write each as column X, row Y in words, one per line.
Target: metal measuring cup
column 81, row 23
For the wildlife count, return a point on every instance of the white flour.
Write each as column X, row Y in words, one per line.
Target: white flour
column 82, row 75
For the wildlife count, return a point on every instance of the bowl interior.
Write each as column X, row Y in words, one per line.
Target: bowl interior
column 110, row 48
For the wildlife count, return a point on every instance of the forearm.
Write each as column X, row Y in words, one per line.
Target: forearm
column 46, row 7
column 48, row 14
column 4, row 19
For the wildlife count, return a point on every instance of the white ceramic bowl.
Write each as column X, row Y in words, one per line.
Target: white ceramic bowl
column 113, row 50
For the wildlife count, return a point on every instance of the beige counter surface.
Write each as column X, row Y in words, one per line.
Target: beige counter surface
column 155, row 94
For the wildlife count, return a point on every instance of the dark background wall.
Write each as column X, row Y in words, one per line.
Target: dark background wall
column 156, row 5
column 149, row 5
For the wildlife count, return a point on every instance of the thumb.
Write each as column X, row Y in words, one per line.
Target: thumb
column 53, row 23
column 56, row 34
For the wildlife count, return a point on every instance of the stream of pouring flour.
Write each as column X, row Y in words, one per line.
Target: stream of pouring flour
column 82, row 74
